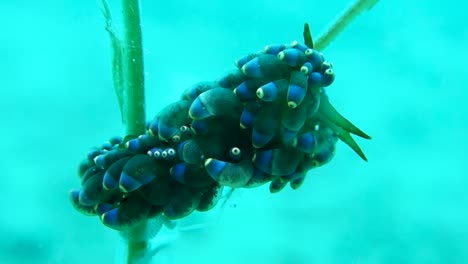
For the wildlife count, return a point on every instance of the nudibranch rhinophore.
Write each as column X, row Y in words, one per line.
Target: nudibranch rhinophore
column 267, row 121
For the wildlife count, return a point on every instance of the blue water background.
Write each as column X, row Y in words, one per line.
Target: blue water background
column 401, row 77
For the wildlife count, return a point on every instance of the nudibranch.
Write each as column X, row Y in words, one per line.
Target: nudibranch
column 267, row 121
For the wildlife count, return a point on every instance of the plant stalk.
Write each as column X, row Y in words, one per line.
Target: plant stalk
column 133, row 69
column 340, row 24
column 134, row 107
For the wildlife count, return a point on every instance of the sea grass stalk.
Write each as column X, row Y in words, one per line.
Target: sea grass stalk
column 133, row 69
column 355, row 9
column 128, row 80
column 134, row 109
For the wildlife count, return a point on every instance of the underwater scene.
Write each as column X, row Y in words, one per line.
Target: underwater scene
column 234, row 132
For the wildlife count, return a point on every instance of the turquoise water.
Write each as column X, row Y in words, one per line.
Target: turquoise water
column 400, row 77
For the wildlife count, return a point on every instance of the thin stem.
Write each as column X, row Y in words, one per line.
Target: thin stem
column 340, row 24
column 134, row 94
column 134, row 107
column 137, row 243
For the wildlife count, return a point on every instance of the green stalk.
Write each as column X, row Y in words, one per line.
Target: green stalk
column 133, row 70
column 340, row 24
column 128, row 78
column 134, row 108
column 137, row 243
